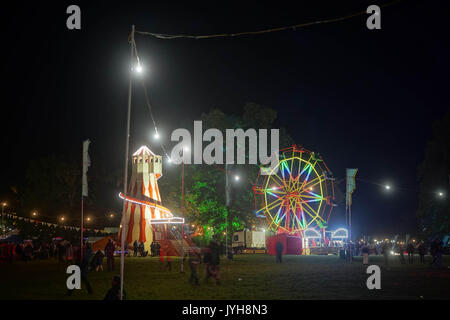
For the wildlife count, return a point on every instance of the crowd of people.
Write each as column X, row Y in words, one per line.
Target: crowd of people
column 386, row 248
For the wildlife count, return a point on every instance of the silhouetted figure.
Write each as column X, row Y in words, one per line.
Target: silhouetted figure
column 114, row 292
column 194, row 260
column 109, row 252
column 402, row 254
column 135, row 248
column 279, row 251
column 422, row 252
column 385, row 250
column 410, row 249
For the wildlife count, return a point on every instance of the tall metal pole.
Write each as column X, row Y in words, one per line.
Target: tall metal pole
column 125, row 179
column 182, row 212
column 82, row 205
column 227, row 204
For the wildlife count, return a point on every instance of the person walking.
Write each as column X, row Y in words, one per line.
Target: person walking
column 410, row 249
column 279, row 251
column 109, row 252
column 114, row 292
column 421, row 249
column 212, row 261
column 84, row 267
column 194, row 260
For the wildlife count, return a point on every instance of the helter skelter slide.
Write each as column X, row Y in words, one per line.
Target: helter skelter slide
column 147, row 220
column 296, row 199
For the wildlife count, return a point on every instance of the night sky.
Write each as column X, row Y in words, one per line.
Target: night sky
column 363, row 98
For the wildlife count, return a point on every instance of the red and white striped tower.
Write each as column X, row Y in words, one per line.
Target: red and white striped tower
column 143, row 187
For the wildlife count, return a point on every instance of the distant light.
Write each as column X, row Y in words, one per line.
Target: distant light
column 156, row 135
column 192, row 226
column 186, row 148
column 388, row 187
column 392, row 252
column 169, row 160
column 440, row 194
column 111, row 215
column 263, row 230
column 139, row 68
column 34, row 213
column 4, row 204
column 62, row 218
column 236, row 178
column 88, row 219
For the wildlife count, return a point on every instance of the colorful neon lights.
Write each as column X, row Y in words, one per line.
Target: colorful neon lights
column 296, row 194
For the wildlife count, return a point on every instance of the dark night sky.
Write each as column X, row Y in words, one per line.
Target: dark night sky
column 364, row 99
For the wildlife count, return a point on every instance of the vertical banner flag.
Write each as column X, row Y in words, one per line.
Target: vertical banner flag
column 86, row 165
column 351, row 186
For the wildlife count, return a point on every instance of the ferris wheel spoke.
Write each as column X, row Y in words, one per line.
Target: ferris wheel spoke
column 312, row 214
column 280, row 182
column 314, row 182
column 273, row 204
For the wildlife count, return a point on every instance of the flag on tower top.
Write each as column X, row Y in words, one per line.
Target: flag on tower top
column 86, row 165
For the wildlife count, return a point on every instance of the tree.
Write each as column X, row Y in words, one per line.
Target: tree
column 205, row 200
column 434, row 176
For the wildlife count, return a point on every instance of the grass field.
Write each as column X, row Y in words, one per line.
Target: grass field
column 247, row 277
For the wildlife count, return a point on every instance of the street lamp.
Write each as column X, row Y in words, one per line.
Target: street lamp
column 440, row 194
column 387, row 187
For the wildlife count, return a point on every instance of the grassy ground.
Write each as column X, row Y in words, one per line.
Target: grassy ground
column 247, row 277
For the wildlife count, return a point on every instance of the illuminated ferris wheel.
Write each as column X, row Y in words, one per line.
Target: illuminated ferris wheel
column 297, row 195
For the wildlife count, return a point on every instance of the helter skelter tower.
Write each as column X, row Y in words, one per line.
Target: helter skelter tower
column 146, row 218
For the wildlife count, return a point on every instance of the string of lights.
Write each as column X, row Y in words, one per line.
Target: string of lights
column 247, row 33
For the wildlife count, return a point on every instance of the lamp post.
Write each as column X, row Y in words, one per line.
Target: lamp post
column 182, row 207
column 125, row 179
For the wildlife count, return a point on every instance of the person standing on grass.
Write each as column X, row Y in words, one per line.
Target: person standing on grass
column 422, row 252
column 365, row 253
column 439, row 252
column 69, row 254
column 279, row 251
column 433, row 251
column 135, row 248
column 114, row 292
column 61, row 253
column 410, row 250
column 109, row 252
column 401, row 251
column 98, row 260
column 385, row 250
